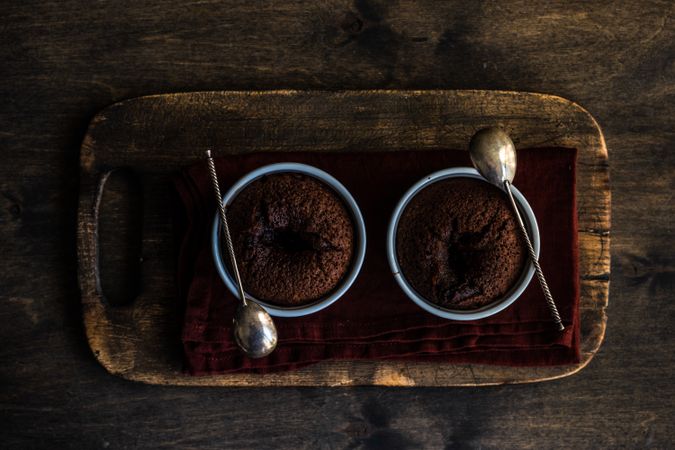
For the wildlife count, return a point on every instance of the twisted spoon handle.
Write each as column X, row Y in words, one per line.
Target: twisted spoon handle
column 226, row 228
column 533, row 256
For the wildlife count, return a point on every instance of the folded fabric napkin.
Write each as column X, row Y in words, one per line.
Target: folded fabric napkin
column 374, row 319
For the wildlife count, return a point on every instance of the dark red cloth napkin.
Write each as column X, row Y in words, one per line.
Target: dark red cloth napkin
column 375, row 320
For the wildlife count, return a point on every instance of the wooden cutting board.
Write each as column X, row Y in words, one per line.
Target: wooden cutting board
column 125, row 242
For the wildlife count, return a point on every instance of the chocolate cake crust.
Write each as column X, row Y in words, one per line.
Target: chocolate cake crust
column 458, row 244
column 293, row 237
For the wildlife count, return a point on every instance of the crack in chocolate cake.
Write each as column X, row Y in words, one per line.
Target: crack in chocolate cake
column 293, row 236
column 458, row 244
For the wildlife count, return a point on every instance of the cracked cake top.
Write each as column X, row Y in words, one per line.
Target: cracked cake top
column 293, row 236
column 458, row 244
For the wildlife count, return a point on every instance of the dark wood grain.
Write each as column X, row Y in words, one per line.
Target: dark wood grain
column 64, row 61
column 157, row 135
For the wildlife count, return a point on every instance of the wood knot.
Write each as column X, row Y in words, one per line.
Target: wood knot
column 351, row 23
column 12, row 205
column 15, row 210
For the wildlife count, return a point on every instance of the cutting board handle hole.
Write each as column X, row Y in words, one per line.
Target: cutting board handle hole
column 120, row 237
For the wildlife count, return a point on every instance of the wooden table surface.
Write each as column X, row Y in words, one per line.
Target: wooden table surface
column 63, row 61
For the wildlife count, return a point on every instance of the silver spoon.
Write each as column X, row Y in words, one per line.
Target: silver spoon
column 494, row 155
column 254, row 329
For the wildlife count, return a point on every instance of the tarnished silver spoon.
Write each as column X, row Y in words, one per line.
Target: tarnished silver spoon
column 494, row 155
column 254, row 330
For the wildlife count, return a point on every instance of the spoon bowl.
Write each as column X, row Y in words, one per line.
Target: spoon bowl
column 254, row 330
column 494, row 155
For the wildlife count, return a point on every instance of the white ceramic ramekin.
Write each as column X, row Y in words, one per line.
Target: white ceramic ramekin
column 487, row 310
column 359, row 234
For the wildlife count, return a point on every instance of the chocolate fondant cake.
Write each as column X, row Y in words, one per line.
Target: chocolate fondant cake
column 293, row 236
column 458, row 244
